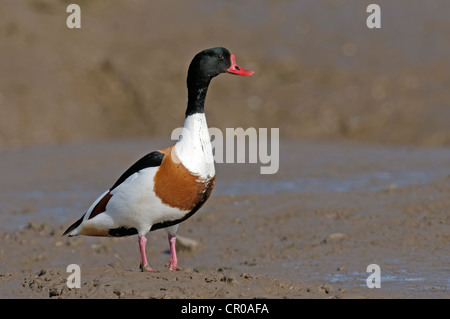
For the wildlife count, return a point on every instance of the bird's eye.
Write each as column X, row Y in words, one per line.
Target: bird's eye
column 220, row 56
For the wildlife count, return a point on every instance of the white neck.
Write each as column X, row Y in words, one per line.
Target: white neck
column 194, row 146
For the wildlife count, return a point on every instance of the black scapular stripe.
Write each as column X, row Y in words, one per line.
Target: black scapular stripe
column 152, row 159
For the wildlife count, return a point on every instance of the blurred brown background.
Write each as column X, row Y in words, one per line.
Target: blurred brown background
column 320, row 72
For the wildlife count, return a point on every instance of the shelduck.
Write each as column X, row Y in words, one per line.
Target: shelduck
column 167, row 186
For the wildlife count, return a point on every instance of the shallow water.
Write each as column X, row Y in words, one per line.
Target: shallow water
column 304, row 168
column 59, row 205
column 371, row 181
column 419, row 277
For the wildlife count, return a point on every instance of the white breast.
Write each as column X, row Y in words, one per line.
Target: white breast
column 194, row 146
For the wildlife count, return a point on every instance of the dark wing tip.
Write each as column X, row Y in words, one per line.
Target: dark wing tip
column 150, row 160
column 73, row 226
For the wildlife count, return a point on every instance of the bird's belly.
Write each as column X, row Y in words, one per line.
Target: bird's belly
column 135, row 204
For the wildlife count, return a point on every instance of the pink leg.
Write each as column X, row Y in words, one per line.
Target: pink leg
column 173, row 262
column 143, row 264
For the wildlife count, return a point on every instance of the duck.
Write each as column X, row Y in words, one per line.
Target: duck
column 166, row 186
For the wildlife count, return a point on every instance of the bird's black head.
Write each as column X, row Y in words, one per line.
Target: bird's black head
column 212, row 62
column 206, row 65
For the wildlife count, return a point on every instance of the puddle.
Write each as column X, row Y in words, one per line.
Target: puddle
column 365, row 182
column 417, row 278
column 34, row 205
column 401, row 279
column 60, row 205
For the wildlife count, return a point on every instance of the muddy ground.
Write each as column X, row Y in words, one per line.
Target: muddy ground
column 309, row 231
